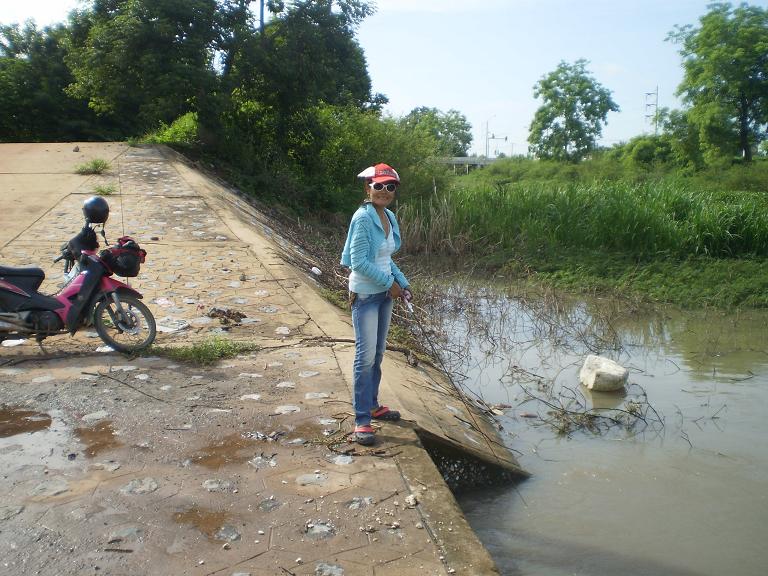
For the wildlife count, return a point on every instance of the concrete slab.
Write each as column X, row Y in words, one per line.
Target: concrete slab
column 149, row 466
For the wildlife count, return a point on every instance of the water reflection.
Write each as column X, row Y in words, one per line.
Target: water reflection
column 29, row 438
column 688, row 499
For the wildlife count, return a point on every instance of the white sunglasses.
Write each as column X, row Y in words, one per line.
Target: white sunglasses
column 379, row 186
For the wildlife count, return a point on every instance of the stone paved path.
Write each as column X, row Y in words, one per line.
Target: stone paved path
column 148, row 466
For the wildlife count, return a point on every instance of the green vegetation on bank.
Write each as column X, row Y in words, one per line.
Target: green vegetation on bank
column 607, row 224
column 286, row 113
column 182, row 133
column 604, row 226
column 694, row 282
column 204, row 353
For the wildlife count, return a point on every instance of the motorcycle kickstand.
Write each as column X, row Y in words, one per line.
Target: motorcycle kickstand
column 40, row 344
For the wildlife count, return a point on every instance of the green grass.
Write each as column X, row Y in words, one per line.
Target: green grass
column 665, row 240
column 725, row 174
column 107, row 190
column 95, row 166
column 204, row 353
column 693, row 283
column 338, row 298
column 645, row 221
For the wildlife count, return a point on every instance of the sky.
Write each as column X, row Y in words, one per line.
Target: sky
column 483, row 57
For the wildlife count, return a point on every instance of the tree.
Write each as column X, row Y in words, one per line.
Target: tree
column 310, row 55
column 685, row 144
column 451, row 129
column 33, row 76
column 143, row 62
column 725, row 60
column 570, row 120
column 306, row 57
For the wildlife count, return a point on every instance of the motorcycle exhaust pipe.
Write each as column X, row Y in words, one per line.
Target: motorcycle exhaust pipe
column 11, row 324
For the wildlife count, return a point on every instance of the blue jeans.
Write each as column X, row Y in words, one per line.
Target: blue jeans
column 371, row 314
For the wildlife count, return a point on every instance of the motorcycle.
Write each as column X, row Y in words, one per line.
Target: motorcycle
column 90, row 295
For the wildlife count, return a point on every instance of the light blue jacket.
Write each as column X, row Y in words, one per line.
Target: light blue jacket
column 364, row 237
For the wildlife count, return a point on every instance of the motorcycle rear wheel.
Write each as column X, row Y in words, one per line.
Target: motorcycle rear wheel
column 132, row 333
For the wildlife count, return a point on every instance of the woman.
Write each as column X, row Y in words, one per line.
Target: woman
column 374, row 282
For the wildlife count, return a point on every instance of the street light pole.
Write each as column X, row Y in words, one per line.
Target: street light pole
column 487, row 150
column 492, row 137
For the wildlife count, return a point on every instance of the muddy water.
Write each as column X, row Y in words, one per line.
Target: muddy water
column 232, row 449
column 208, row 522
column 14, row 420
column 29, row 438
column 685, row 493
column 98, row 438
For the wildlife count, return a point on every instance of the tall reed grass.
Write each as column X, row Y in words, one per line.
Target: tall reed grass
column 665, row 218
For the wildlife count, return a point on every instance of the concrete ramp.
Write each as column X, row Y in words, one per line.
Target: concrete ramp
column 150, row 465
column 424, row 395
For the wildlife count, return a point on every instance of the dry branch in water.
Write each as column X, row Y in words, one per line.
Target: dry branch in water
column 568, row 412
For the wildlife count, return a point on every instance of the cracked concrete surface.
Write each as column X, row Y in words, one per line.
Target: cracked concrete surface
column 113, row 465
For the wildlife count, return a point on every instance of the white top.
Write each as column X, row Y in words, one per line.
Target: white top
column 383, row 262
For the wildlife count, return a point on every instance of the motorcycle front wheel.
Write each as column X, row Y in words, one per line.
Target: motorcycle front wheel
column 129, row 332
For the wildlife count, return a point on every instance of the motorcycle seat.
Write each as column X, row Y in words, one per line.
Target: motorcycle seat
column 28, row 271
column 29, row 276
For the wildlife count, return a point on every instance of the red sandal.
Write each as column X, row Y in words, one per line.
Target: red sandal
column 364, row 435
column 384, row 413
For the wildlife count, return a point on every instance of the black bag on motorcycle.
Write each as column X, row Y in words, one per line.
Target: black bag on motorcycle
column 124, row 258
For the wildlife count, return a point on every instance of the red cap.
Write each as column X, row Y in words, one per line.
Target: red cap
column 380, row 173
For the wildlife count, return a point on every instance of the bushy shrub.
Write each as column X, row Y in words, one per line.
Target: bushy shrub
column 355, row 139
column 310, row 159
column 182, row 132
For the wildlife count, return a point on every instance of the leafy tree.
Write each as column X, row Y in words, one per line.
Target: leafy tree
column 355, row 138
column 235, row 27
column 569, row 121
column 684, row 140
column 451, row 129
column 33, row 76
column 142, row 61
column 285, row 95
column 310, row 55
column 725, row 60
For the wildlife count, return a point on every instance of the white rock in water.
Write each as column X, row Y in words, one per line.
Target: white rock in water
column 603, row 374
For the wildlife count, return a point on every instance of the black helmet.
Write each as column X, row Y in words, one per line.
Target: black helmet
column 96, row 210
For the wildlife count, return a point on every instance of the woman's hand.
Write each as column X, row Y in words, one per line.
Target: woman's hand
column 395, row 291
